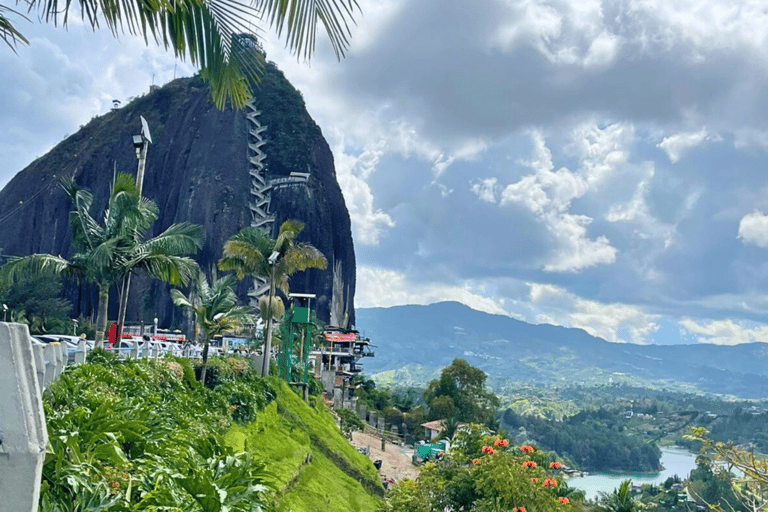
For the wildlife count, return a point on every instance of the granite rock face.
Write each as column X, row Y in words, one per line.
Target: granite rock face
column 197, row 171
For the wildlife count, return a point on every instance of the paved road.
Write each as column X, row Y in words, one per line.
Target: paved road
column 395, row 459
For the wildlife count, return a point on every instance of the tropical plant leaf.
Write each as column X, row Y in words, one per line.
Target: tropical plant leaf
column 8, row 33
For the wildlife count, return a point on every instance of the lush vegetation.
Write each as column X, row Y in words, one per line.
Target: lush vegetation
column 107, row 252
column 460, row 395
column 486, row 473
column 146, row 435
column 36, row 300
column 250, row 252
column 595, row 440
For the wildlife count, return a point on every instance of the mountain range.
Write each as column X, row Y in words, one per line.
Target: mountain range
column 412, row 343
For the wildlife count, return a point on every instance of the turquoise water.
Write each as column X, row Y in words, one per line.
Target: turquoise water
column 676, row 461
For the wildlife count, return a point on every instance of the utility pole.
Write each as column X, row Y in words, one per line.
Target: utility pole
column 141, row 145
column 268, row 341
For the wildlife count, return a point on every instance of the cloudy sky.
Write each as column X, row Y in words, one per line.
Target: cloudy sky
column 587, row 164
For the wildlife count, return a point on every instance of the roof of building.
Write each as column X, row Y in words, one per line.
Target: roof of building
column 434, row 425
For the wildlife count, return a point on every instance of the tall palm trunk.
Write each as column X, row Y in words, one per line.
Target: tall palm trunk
column 101, row 317
column 268, row 337
column 204, row 367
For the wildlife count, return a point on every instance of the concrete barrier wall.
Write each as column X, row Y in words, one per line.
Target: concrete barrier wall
column 23, row 435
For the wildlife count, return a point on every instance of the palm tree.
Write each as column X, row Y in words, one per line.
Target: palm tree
column 620, row 500
column 249, row 253
column 215, row 309
column 216, row 35
column 108, row 251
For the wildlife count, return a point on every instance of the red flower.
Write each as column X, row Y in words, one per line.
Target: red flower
column 518, row 509
column 501, row 442
column 555, row 465
column 529, row 464
column 563, row 500
column 549, row 482
column 488, row 450
column 475, row 461
column 440, row 454
column 526, row 448
column 535, row 480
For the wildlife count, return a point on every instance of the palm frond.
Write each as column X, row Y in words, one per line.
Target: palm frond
column 246, row 253
column 299, row 19
column 289, row 230
column 34, row 264
column 84, row 227
column 103, row 255
column 181, row 238
column 302, row 256
column 174, row 270
column 179, row 299
column 277, row 308
column 8, row 33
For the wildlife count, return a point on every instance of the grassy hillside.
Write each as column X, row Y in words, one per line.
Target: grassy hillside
column 145, row 435
column 315, row 467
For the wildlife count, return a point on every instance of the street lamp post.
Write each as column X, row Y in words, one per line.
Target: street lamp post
column 155, row 331
column 268, row 339
column 140, row 145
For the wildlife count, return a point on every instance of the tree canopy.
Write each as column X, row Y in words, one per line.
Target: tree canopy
column 460, row 394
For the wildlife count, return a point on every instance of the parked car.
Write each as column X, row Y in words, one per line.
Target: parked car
column 72, row 347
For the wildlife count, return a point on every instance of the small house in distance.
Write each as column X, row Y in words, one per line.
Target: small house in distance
column 433, row 429
column 336, row 363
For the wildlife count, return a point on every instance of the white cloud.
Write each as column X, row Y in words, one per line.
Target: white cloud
column 487, row 189
column 564, row 32
column 576, row 251
column 368, row 222
column 707, row 24
column 466, row 151
column 725, row 332
column 753, row 229
column 677, row 145
column 602, row 50
column 606, row 321
column 636, row 211
column 548, row 195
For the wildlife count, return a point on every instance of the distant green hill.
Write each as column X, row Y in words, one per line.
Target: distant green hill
column 414, row 342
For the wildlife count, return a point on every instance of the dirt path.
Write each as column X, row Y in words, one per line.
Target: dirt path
column 395, row 459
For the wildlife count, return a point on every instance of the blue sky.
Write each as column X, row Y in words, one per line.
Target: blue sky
column 590, row 164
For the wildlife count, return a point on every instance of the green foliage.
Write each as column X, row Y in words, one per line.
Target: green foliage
column 101, row 356
column 311, row 461
column 596, row 440
column 350, row 422
column 714, row 484
column 215, row 308
column 620, row 500
column 368, row 394
column 244, row 401
column 35, row 300
column 248, row 251
column 479, row 474
column 460, row 394
column 134, row 435
column 321, row 487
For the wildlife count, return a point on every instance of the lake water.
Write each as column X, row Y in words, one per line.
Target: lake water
column 676, row 461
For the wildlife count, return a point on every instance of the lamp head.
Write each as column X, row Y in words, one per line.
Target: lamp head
column 273, row 257
column 138, row 141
